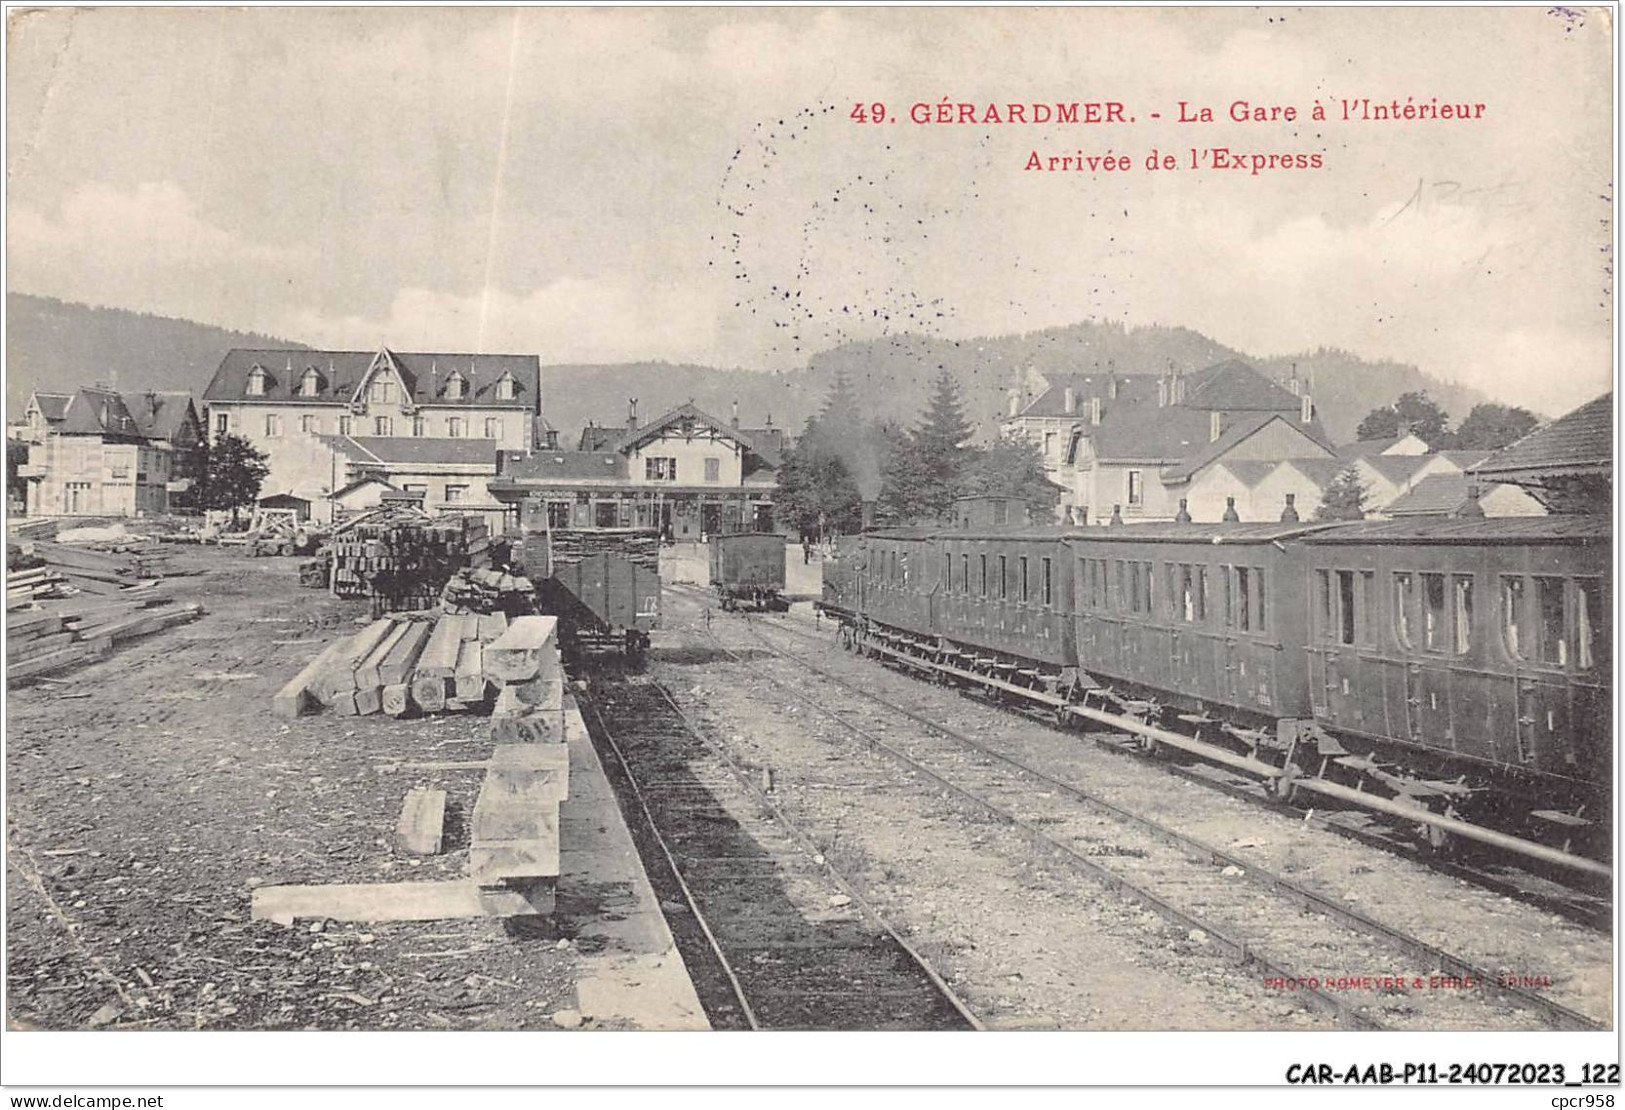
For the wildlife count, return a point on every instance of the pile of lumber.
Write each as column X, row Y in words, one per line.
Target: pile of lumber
column 542, row 552
column 96, row 572
column 402, row 664
column 402, row 557
column 24, row 587
column 514, row 835
column 487, row 591
column 43, row 641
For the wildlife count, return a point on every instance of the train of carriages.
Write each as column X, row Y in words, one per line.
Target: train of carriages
column 747, row 570
column 1451, row 672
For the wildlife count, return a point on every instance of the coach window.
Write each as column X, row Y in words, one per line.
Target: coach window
column 1262, row 621
column 1150, row 598
column 903, row 563
column 1049, row 581
column 1244, row 598
column 1227, row 607
column 1004, row 577
column 1434, row 633
column 1590, row 619
column 964, row 574
column 1325, row 612
column 1554, row 647
column 1365, row 616
column 1134, row 586
column 1199, row 592
column 1345, row 607
column 1404, row 607
column 1462, row 610
column 1023, row 567
column 983, row 589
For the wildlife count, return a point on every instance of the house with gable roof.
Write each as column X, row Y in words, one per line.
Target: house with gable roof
column 1134, row 444
column 685, row 473
column 98, row 452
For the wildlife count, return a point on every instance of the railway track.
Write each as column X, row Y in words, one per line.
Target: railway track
column 1574, row 901
column 776, row 937
column 1287, row 931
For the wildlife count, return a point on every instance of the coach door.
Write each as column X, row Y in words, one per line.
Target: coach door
column 1344, row 635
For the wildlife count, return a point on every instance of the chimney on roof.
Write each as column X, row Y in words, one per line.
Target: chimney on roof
column 1183, row 516
column 1289, row 515
column 1306, row 408
column 769, row 423
column 1230, row 514
column 1215, row 425
column 1471, row 509
column 1111, row 382
column 1293, row 383
column 1070, row 402
column 736, row 414
column 631, row 412
column 1094, row 411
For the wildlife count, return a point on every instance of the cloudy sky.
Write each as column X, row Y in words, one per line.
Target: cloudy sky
column 689, row 185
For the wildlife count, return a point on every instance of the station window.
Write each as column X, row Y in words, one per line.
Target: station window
column 1462, row 611
column 1024, row 595
column 1554, row 646
column 1049, row 581
column 607, row 513
column 1404, row 607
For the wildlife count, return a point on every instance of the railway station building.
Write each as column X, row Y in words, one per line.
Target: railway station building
column 685, row 473
column 1567, row 464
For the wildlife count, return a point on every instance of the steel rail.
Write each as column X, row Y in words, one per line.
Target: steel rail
column 1562, row 1017
column 1237, row 947
column 677, row 873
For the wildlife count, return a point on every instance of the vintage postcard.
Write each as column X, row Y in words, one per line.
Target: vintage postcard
column 1086, row 520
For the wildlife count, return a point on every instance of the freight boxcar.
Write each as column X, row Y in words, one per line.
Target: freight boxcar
column 602, row 583
column 747, row 569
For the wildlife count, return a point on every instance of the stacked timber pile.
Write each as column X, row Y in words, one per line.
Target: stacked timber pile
column 401, row 664
column 640, row 545
column 92, row 571
column 40, row 583
column 514, row 842
column 402, row 558
column 40, row 641
column 488, row 591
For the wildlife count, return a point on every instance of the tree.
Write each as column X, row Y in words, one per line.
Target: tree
column 816, row 491
column 940, row 444
column 1490, row 427
column 233, row 471
column 1013, row 466
column 904, row 478
column 1344, row 498
column 1415, row 412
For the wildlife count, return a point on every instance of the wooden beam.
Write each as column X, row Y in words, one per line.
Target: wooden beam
column 396, row 700
column 339, row 677
column 470, row 673
column 439, row 656
column 492, row 625
column 297, row 696
column 525, row 651
column 366, row 675
column 429, row 694
column 421, row 828
column 398, row 664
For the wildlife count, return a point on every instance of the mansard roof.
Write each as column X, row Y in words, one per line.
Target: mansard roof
column 423, row 375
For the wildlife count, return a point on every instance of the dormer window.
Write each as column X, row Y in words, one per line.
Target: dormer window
column 505, row 387
column 456, row 386
column 311, row 384
column 256, row 382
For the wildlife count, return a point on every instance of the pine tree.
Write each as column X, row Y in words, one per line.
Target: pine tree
column 1344, row 498
column 903, row 478
column 940, row 444
column 840, row 409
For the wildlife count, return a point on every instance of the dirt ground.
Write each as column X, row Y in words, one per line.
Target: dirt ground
column 149, row 794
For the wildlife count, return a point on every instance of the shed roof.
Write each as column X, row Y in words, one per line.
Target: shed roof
column 1581, row 441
